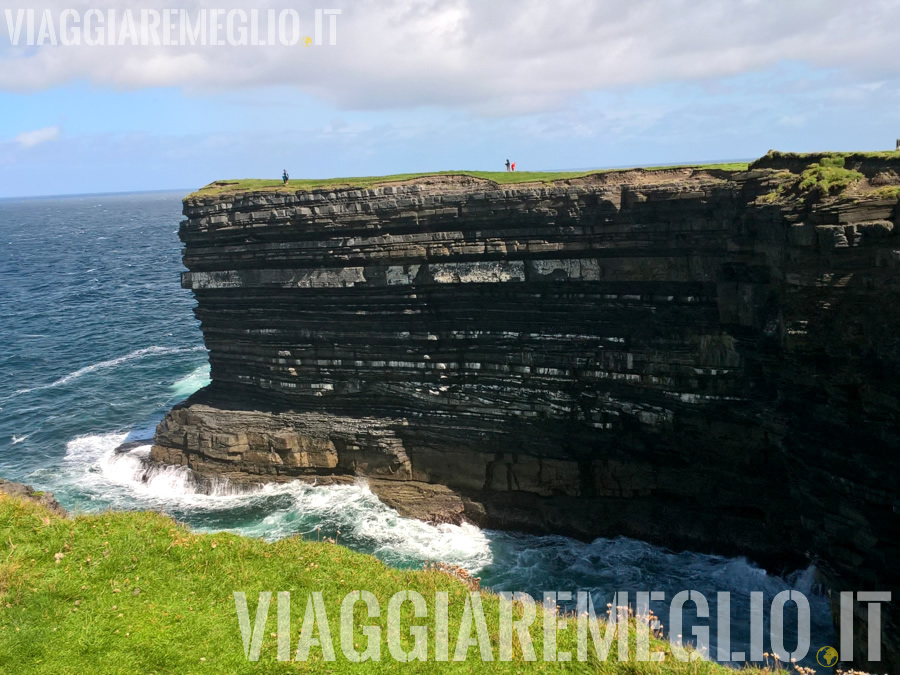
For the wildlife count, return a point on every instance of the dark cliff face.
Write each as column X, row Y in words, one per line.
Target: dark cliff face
column 697, row 358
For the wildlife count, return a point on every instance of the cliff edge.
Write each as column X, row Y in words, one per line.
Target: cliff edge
column 703, row 358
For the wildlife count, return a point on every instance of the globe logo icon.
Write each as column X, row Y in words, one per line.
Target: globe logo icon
column 306, row 42
column 827, row 656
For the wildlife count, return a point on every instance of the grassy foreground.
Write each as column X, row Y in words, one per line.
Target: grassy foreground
column 129, row 592
column 221, row 187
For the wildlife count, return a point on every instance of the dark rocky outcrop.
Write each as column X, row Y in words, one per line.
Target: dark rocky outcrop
column 704, row 359
column 28, row 493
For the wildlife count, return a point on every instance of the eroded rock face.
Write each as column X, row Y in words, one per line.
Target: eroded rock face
column 673, row 356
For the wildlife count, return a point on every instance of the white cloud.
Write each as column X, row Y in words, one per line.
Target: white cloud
column 496, row 57
column 28, row 139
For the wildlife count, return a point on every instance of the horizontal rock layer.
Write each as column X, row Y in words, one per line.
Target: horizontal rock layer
column 667, row 355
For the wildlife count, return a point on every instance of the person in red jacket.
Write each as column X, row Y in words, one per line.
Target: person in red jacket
column 513, row 166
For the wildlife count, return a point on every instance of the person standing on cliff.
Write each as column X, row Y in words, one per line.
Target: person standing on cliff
column 285, row 177
column 513, row 166
column 507, row 166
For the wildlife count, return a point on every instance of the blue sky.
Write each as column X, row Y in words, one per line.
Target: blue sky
column 454, row 85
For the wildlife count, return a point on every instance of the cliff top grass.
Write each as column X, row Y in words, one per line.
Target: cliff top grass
column 817, row 176
column 127, row 592
column 828, row 176
column 246, row 185
column 794, row 161
column 811, row 157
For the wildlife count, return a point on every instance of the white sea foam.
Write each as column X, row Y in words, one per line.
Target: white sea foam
column 186, row 386
column 129, row 479
column 125, row 480
column 98, row 478
column 19, row 439
column 366, row 522
column 506, row 561
column 516, row 561
column 137, row 354
column 111, row 363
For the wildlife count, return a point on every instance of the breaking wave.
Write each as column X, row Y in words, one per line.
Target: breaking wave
column 104, row 478
column 98, row 477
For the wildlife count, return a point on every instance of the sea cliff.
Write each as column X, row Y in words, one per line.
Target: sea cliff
column 703, row 358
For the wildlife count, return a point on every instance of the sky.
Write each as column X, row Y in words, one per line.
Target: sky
column 427, row 85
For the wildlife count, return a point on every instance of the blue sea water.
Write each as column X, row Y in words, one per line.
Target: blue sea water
column 98, row 340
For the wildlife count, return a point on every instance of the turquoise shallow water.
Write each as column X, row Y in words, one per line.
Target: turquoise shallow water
column 99, row 340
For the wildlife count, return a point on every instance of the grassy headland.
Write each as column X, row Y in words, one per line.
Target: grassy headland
column 137, row 593
column 823, row 174
column 244, row 185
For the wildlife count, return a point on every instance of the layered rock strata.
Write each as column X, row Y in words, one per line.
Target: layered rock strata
column 704, row 359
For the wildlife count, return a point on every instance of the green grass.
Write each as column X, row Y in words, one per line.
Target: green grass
column 225, row 187
column 828, row 177
column 887, row 192
column 830, row 180
column 820, row 175
column 137, row 593
column 811, row 157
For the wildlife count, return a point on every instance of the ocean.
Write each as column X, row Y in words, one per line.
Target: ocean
column 99, row 341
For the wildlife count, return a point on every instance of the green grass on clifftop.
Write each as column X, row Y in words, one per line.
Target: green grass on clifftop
column 828, row 176
column 815, row 156
column 137, row 593
column 223, row 187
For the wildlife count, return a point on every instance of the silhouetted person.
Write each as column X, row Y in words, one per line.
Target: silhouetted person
column 285, row 177
column 507, row 165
